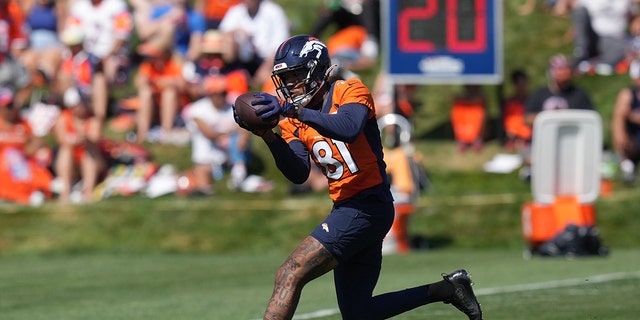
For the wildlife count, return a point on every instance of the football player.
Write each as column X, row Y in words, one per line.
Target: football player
column 333, row 123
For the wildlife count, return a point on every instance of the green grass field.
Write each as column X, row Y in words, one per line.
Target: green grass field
column 237, row 286
column 215, row 258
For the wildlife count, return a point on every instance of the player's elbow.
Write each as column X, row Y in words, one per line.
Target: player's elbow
column 298, row 179
column 297, row 176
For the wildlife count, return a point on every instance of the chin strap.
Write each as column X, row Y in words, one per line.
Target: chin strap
column 332, row 73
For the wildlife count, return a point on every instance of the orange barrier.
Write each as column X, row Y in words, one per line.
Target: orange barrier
column 467, row 119
column 543, row 222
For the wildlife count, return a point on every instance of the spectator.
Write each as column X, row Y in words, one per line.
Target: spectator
column 14, row 39
column 186, row 29
column 518, row 134
column 217, row 142
column 352, row 46
column 217, row 58
column 44, row 18
column 258, row 27
column 353, row 49
column 214, row 140
column 24, row 180
column 106, row 25
column 394, row 98
column 15, row 77
column 559, row 93
column 161, row 90
column 214, row 10
column 625, row 126
column 145, row 27
column 76, row 69
column 601, row 29
column 77, row 133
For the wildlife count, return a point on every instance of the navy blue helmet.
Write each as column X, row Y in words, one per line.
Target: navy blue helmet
column 301, row 58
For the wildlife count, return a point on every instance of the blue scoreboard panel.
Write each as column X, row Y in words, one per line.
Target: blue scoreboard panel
column 443, row 41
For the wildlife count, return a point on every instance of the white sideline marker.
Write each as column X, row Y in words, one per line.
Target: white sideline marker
column 559, row 283
column 515, row 288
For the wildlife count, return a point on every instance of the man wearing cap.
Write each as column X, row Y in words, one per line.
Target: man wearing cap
column 559, row 93
column 625, row 125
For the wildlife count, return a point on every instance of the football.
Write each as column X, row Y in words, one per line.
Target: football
column 247, row 113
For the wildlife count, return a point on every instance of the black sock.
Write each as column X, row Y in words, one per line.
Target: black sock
column 439, row 291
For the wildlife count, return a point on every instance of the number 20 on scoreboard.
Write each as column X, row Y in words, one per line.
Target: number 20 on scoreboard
column 443, row 41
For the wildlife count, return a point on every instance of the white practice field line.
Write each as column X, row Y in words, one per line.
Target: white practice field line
column 507, row 289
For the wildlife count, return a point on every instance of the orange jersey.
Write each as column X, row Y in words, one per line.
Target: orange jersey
column 12, row 26
column 350, row 167
column 15, row 135
column 78, row 67
column 172, row 70
column 237, row 83
column 215, row 9
column 514, row 119
column 349, row 38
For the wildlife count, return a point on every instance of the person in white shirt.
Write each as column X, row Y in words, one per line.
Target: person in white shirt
column 107, row 26
column 602, row 28
column 258, row 27
column 217, row 142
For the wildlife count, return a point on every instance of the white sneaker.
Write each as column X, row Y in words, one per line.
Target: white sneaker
column 237, row 176
column 36, row 198
column 628, row 169
column 256, row 184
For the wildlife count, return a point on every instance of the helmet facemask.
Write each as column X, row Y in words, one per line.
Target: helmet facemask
column 287, row 79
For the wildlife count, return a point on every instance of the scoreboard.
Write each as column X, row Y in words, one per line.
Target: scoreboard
column 443, row 41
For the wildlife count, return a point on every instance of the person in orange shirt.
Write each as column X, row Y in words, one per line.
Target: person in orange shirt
column 75, row 70
column 214, row 10
column 353, row 46
column 518, row 133
column 77, row 132
column 13, row 42
column 23, row 179
column 12, row 24
column 161, row 89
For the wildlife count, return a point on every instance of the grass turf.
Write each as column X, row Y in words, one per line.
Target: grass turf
column 237, row 286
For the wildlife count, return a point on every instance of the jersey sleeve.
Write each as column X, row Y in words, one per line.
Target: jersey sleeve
column 353, row 91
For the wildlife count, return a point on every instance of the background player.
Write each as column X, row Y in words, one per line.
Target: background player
column 334, row 123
